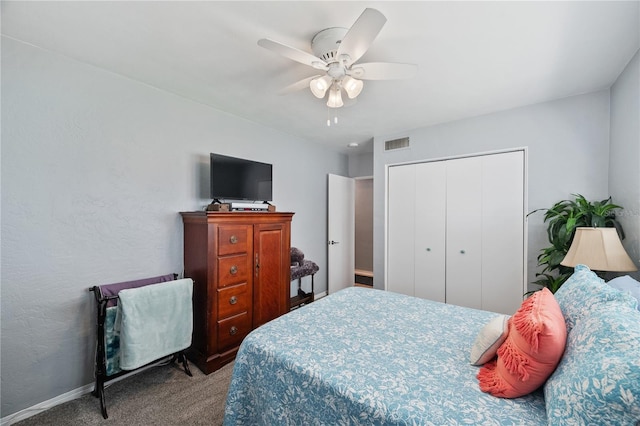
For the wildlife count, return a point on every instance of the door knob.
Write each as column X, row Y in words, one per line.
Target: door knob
column 334, row 242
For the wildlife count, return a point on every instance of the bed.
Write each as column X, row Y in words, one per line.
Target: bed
column 363, row 356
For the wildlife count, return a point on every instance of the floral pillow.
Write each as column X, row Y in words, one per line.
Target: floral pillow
column 627, row 284
column 583, row 291
column 598, row 378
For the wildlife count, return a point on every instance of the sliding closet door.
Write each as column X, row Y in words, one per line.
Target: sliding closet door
column 400, row 229
column 464, row 232
column 503, row 231
column 430, row 232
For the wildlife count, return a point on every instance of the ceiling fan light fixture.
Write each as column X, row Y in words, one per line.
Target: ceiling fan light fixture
column 335, row 98
column 319, row 86
column 336, row 51
column 352, row 86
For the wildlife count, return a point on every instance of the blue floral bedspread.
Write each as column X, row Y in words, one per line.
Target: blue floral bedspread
column 369, row 357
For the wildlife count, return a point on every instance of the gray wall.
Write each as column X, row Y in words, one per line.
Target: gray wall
column 624, row 161
column 361, row 164
column 568, row 152
column 95, row 168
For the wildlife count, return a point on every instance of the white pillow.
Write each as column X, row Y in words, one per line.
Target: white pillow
column 627, row 284
column 492, row 335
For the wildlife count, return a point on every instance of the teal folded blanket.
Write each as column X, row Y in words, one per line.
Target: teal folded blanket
column 111, row 342
column 154, row 321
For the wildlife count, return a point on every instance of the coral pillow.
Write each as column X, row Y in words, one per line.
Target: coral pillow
column 533, row 348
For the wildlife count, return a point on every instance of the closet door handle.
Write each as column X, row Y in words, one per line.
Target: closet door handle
column 462, row 252
column 233, row 300
column 233, row 270
column 233, row 330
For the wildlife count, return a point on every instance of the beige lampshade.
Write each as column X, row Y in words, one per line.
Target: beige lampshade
column 600, row 249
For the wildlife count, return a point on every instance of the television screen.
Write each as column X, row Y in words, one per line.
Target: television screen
column 240, row 179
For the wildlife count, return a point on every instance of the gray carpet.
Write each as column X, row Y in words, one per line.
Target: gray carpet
column 162, row 395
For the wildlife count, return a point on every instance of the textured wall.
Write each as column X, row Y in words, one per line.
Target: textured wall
column 95, row 168
column 624, row 169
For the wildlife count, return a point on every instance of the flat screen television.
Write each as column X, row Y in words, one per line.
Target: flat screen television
column 240, row 179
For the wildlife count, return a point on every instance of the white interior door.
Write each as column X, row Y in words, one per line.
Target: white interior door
column 430, row 230
column 464, row 232
column 503, row 213
column 340, row 233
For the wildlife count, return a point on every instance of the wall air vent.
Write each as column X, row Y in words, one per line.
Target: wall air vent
column 396, row 144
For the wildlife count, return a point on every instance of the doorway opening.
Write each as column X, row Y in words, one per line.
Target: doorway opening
column 363, row 274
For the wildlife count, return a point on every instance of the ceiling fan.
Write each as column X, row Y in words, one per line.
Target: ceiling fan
column 336, row 52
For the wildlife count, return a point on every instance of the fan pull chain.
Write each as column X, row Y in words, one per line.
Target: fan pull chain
column 335, row 116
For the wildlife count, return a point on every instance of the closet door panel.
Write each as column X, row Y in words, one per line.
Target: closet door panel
column 503, row 232
column 464, row 232
column 400, row 231
column 430, row 237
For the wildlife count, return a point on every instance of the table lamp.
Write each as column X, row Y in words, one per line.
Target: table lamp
column 600, row 249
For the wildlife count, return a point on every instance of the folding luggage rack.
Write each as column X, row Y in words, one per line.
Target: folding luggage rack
column 107, row 352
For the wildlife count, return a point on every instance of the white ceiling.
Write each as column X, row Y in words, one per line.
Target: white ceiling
column 474, row 57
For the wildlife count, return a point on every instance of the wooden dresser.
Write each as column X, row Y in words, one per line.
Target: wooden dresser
column 240, row 264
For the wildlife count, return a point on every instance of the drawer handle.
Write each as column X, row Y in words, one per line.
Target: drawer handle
column 233, row 270
column 233, row 239
column 233, row 330
column 233, row 300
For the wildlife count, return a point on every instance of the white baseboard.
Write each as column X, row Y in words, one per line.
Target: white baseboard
column 320, row 295
column 71, row 395
column 45, row 405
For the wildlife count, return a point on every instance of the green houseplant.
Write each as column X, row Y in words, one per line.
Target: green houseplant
column 563, row 218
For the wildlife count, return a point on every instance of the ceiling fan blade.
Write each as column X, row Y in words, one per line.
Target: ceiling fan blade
column 293, row 53
column 361, row 34
column 383, row 71
column 298, row 85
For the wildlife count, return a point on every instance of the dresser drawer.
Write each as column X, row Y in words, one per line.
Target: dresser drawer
column 233, row 270
column 233, row 300
column 232, row 330
column 233, row 239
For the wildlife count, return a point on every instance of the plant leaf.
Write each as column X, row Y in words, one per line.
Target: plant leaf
column 562, row 219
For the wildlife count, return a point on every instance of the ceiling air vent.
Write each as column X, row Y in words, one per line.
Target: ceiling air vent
column 396, row 144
